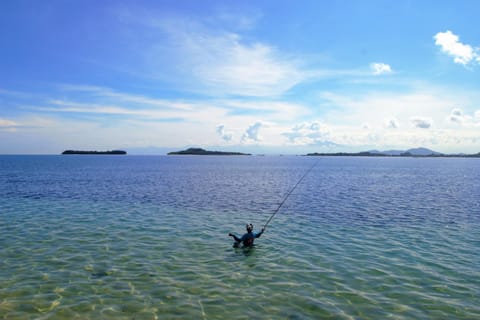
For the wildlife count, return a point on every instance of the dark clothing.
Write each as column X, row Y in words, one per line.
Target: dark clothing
column 247, row 238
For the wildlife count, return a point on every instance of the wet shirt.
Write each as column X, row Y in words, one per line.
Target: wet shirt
column 247, row 238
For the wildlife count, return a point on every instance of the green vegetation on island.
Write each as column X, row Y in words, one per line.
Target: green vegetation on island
column 203, row 152
column 113, row 152
column 416, row 152
column 348, row 154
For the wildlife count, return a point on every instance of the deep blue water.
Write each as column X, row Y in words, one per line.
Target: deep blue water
column 146, row 237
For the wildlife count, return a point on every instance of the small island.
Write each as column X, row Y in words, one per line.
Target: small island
column 112, row 152
column 203, row 152
column 415, row 152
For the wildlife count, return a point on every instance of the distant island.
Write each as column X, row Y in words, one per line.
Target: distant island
column 415, row 152
column 203, row 152
column 114, row 152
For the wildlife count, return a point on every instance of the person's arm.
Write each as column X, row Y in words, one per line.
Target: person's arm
column 235, row 237
column 260, row 233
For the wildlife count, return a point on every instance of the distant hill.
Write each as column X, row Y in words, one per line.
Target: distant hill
column 113, row 152
column 422, row 152
column 388, row 152
column 412, row 152
column 203, row 152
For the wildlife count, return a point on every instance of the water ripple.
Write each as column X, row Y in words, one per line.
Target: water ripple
column 147, row 238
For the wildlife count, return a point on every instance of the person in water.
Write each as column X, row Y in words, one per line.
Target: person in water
column 248, row 238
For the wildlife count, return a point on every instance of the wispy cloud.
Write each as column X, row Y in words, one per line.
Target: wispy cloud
column 15, row 94
column 462, row 53
column 379, row 68
column 102, row 105
column 196, row 114
column 8, row 125
column 95, row 93
column 106, row 100
column 61, row 106
column 245, row 21
column 222, row 62
column 215, row 57
column 227, row 64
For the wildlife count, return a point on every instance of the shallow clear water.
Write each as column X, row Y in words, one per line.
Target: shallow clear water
column 135, row 237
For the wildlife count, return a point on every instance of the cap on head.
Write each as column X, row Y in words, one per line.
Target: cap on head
column 249, row 227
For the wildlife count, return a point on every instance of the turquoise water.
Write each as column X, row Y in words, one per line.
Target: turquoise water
column 146, row 238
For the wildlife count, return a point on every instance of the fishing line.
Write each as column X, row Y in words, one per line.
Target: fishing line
column 288, row 194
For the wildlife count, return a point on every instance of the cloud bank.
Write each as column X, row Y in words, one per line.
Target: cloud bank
column 309, row 133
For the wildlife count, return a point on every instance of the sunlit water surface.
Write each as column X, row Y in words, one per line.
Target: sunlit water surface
column 133, row 237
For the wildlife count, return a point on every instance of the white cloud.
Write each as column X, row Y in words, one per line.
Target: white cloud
column 225, row 63
column 457, row 116
column 391, row 123
column 422, row 123
column 308, row 133
column 7, row 123
column 216, row 57
column 99, row 105
column 246, row 20
column 59, row 106
column 96, row 93
column 253, row 132
column 236, row 113
column 389, row 116
column 379, row 68
column 378, row 108
column 457, row 112
column 195, row 112
column 315, row 126
column 225, row 135
column 276, row 110
column 451, row 45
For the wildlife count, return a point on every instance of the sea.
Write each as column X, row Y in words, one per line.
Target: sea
column 146, row 237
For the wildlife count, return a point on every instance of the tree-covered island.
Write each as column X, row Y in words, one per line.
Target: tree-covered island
column 415, row 152
column 112, row 152
column 203, row 152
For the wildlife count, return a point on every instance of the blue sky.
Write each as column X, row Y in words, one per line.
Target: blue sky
column 257, row 76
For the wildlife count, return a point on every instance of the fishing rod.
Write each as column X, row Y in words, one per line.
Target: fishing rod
column 288, row 194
